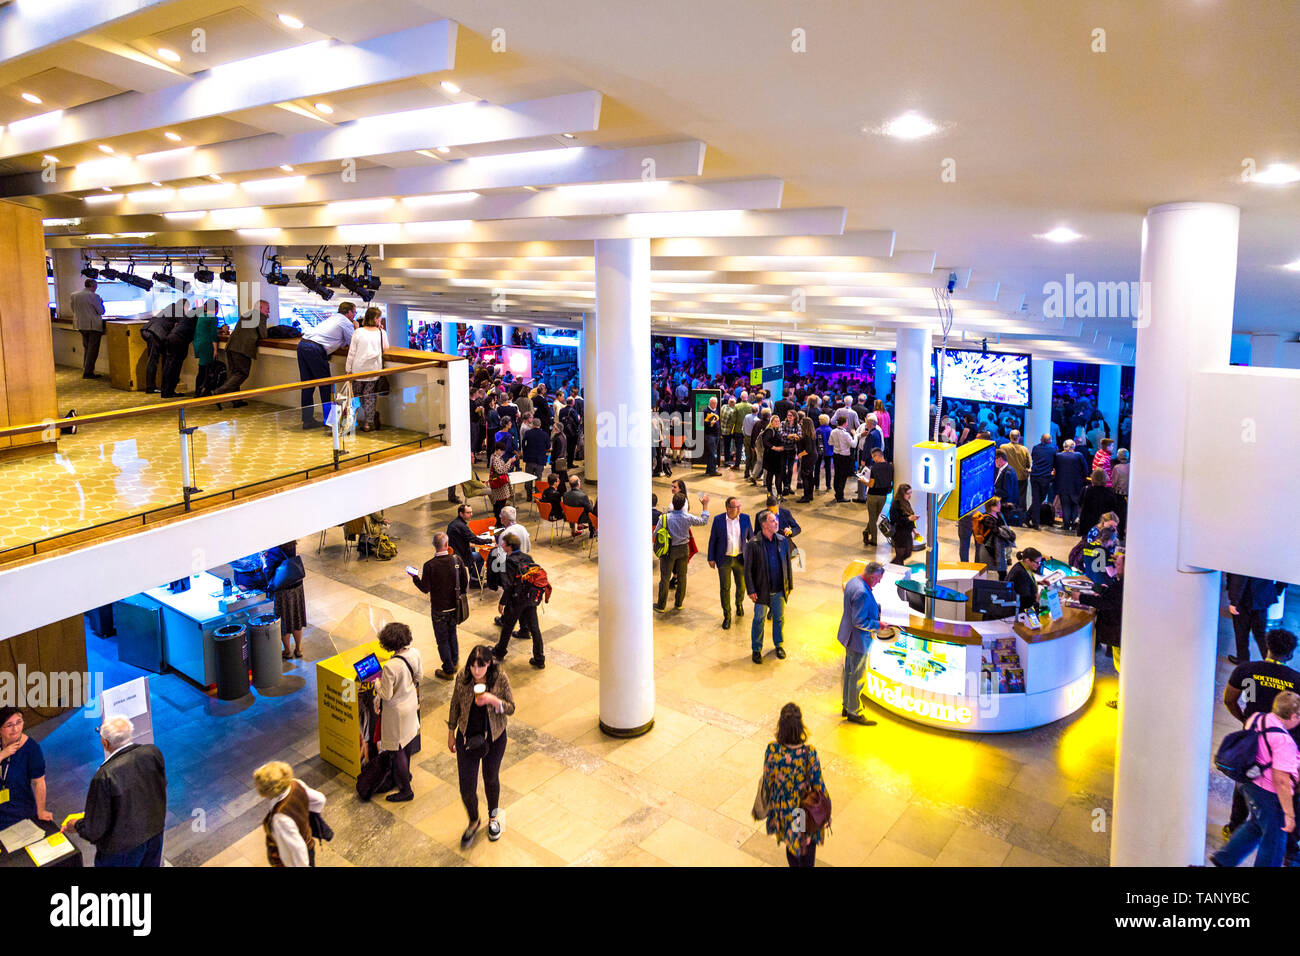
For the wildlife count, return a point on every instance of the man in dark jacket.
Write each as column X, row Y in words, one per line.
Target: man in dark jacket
column 769, row 579
column 155, row 335
column 444, row 578
column 536, row 444
column 463, row 540
column 786, row 526
column 1248, row 602
column 516, row 606
column 1005, row 483
column 1070, row 472
column 1041, row 461
column 726, row 553
column 571, row 422
column 126, row 804
column 241, row 349
column 176, row 347
column 575, row 497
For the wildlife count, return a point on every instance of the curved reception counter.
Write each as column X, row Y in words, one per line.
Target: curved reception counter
column 976, row 676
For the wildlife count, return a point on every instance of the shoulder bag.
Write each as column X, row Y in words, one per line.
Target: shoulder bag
column 413, row 747
column 462, row 599
column 816, row 806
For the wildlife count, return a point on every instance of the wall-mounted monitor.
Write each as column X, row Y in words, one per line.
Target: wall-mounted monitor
column 974, row 375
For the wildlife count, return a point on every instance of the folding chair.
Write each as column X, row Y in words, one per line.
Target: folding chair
column 572, row 514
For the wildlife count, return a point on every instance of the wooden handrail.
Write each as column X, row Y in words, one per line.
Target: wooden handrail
column 140, row 410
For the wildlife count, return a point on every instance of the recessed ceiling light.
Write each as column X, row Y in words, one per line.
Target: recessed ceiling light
column 184, row 215
column 324, row 108
column 215, row 177
column 171, row 56
column 1292, row 266
column 443, row 149
column 293, row 23
column 1277, row 174
column 449, row 86
column 32, row 98
column 156, row 183
column 174, row 137
column 105, row 148
column 50, row 159
column 286, row 167
column 111, row 197
column 1060, row 234
column 911, row 125
column 568, row 136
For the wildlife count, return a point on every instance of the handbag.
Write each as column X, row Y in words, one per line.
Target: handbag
column 760, row 803
column 288, row 573
column 498, row 481
column 319, row 828
column 462, row 599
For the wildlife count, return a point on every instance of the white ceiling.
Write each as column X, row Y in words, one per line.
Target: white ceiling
column 1041, row 130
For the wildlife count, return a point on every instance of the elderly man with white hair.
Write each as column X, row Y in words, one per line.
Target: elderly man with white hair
column 126, row 804
column 1070, row 474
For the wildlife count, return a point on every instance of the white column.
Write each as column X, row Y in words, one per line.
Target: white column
column 683, row 348
column 582, row 353
column 448, row 337
column 398, row 326
column 1265, row 350
column 713, row 356
column 253, row 287
column 774, row 355
column 1108, row 398
column 805, row 359
column 1189, row 265
column 883, row 384
column 1038, row 418
column 627, row 690
column 590, row 386
column 67, row 278
column 911, row 419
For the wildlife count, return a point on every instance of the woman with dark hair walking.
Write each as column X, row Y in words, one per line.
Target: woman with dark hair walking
column 791, row 771
column 481, row 701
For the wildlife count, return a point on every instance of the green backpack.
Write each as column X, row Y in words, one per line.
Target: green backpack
column 663, row 540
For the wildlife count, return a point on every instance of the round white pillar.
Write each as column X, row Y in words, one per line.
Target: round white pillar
column 1108, row 398
column 590, row 397
column 774, row 356
column 882, row 381
column 252, row 285
column 397, row 321
column 448, row 337
column 627, row 690
column 713, row 356
column 1166, row 696
column 1038, row 417
column 911, row 419
column 683, row 348
column 805, row 360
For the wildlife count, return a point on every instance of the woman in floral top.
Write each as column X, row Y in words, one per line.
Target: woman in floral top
column 790, row 770
column 499, row 467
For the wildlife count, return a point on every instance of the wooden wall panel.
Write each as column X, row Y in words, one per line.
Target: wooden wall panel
column 57, row 650
column 26, row 347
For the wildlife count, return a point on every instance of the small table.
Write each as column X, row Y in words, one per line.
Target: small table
column 518, row 478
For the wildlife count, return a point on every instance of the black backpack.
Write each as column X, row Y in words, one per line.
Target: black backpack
column 1238, row 754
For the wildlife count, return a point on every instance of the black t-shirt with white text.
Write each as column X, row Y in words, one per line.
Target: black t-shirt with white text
column 1266, row 680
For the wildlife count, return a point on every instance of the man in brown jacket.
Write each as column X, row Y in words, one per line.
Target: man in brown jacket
column 241, row 349
column 1017, row 456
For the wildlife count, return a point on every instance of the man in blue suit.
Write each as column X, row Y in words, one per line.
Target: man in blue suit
column 1070, row 473
column 1041, row 461
column 726, row 552
column 1006, row 485
column 861, row 615
column 786, row 526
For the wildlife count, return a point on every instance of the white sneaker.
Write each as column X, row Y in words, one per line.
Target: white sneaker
column 494, row 825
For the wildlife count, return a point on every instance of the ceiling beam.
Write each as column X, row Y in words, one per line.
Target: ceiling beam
column 307, row 70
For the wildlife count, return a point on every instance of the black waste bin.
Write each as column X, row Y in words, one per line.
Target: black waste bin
column 264, row 649
column 232, row 661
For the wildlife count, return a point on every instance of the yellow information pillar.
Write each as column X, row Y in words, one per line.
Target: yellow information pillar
column 338, row 717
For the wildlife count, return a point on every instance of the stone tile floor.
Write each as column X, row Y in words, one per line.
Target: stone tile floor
column 127, row 467
column 680, row 795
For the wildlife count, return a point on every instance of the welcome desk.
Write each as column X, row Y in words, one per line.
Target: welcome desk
column 976, row 676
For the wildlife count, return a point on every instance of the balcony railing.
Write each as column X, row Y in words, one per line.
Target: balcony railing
column 128, row 468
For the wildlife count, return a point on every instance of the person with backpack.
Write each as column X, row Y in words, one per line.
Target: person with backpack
column 792, row 797
column 519, row 600
column 675, row 531
column 1264, row 759
column 1251, row 689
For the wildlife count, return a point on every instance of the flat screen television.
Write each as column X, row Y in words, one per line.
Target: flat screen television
column 977, row 376
column 975, row 478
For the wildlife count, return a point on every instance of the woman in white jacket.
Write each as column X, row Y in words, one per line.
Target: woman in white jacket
column 397, row 699
column 366, row 354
